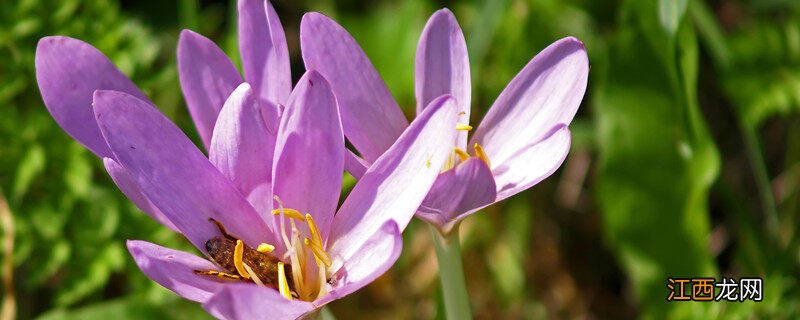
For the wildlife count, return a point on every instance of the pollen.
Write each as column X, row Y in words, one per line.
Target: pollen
column 463, row 155
column 238, row 252
column 480, row 153
column 265, row 248
column 463, row 127
column 283, row 284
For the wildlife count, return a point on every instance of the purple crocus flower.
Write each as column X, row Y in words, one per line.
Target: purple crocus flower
column 163, row 172
column 362, row 240
column 522, row 139
column 208, row 76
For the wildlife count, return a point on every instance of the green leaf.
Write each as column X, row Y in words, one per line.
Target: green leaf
column 31, row 165
column 670, row 13
column 657, row 164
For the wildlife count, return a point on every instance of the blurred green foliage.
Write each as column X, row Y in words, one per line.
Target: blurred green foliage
column 685, row 161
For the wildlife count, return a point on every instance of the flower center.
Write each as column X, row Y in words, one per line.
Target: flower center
column 309, row 277
column 458, row 156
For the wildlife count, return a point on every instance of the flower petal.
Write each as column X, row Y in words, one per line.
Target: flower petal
column 309, row 152
column 173, row 173
column 207, row 79
column 265, row 56
column 532, row 163
column 466, row 188
column 131, row 190
column 442, row 66
column 242, row 146
column 371, row 118
column 245, row 301
column 68, row 72
column 395, row 185
column 545, row 93
column 174, row 270
column 354, row 164
column 374, row 258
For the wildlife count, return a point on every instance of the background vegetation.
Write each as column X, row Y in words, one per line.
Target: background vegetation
column 685, row 161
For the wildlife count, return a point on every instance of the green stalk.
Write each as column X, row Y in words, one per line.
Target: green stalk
column 763, row 184
column 451, row 274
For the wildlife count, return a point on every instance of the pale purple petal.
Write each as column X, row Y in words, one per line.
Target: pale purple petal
column 207, row 79
column 371, row 118
column 174, row 270
column 395, row 185
column 246, row 301
column 545, row 93
column 265, row 56
column 442, row 66
column 532, row 163
column 309, row 152
column 355, row 165
column 173, row 173
column 466, row 187
column 68, row 72
column 374, row 258
column 242, row 147
column 131, row 190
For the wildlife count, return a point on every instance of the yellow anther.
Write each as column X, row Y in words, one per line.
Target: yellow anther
column 238, row 252
column 482, row 154
column 461, row 154
column 319, row 252
column 265, row 248
column 314, row 231
column 283, row 284
column 289, row 213
column 463, row 127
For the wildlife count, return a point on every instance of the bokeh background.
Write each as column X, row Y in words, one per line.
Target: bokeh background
column 685, row 160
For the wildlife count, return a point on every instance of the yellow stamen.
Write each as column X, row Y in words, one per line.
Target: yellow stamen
column 314, row 231
column 283, row 284
column 265, row 248
column 238, row 252
column 450, row 163
column 253, row 275
column 323, row 288
column 461, row 154
column 319, row 252
column 463, row 127
column 289, row 213
column 482, row 154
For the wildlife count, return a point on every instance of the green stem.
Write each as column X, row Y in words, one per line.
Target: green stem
column 762, row 178
column 451, row 274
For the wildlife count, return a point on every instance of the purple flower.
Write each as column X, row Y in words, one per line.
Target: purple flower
column 522, row 140
column 264, row 170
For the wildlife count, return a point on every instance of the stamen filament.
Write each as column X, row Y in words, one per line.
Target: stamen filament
column 253, row 275
column 323, row 288
column 283, row 284
column 461, row 154
column 238, row 252
column 480, row 153
column 286, row 241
